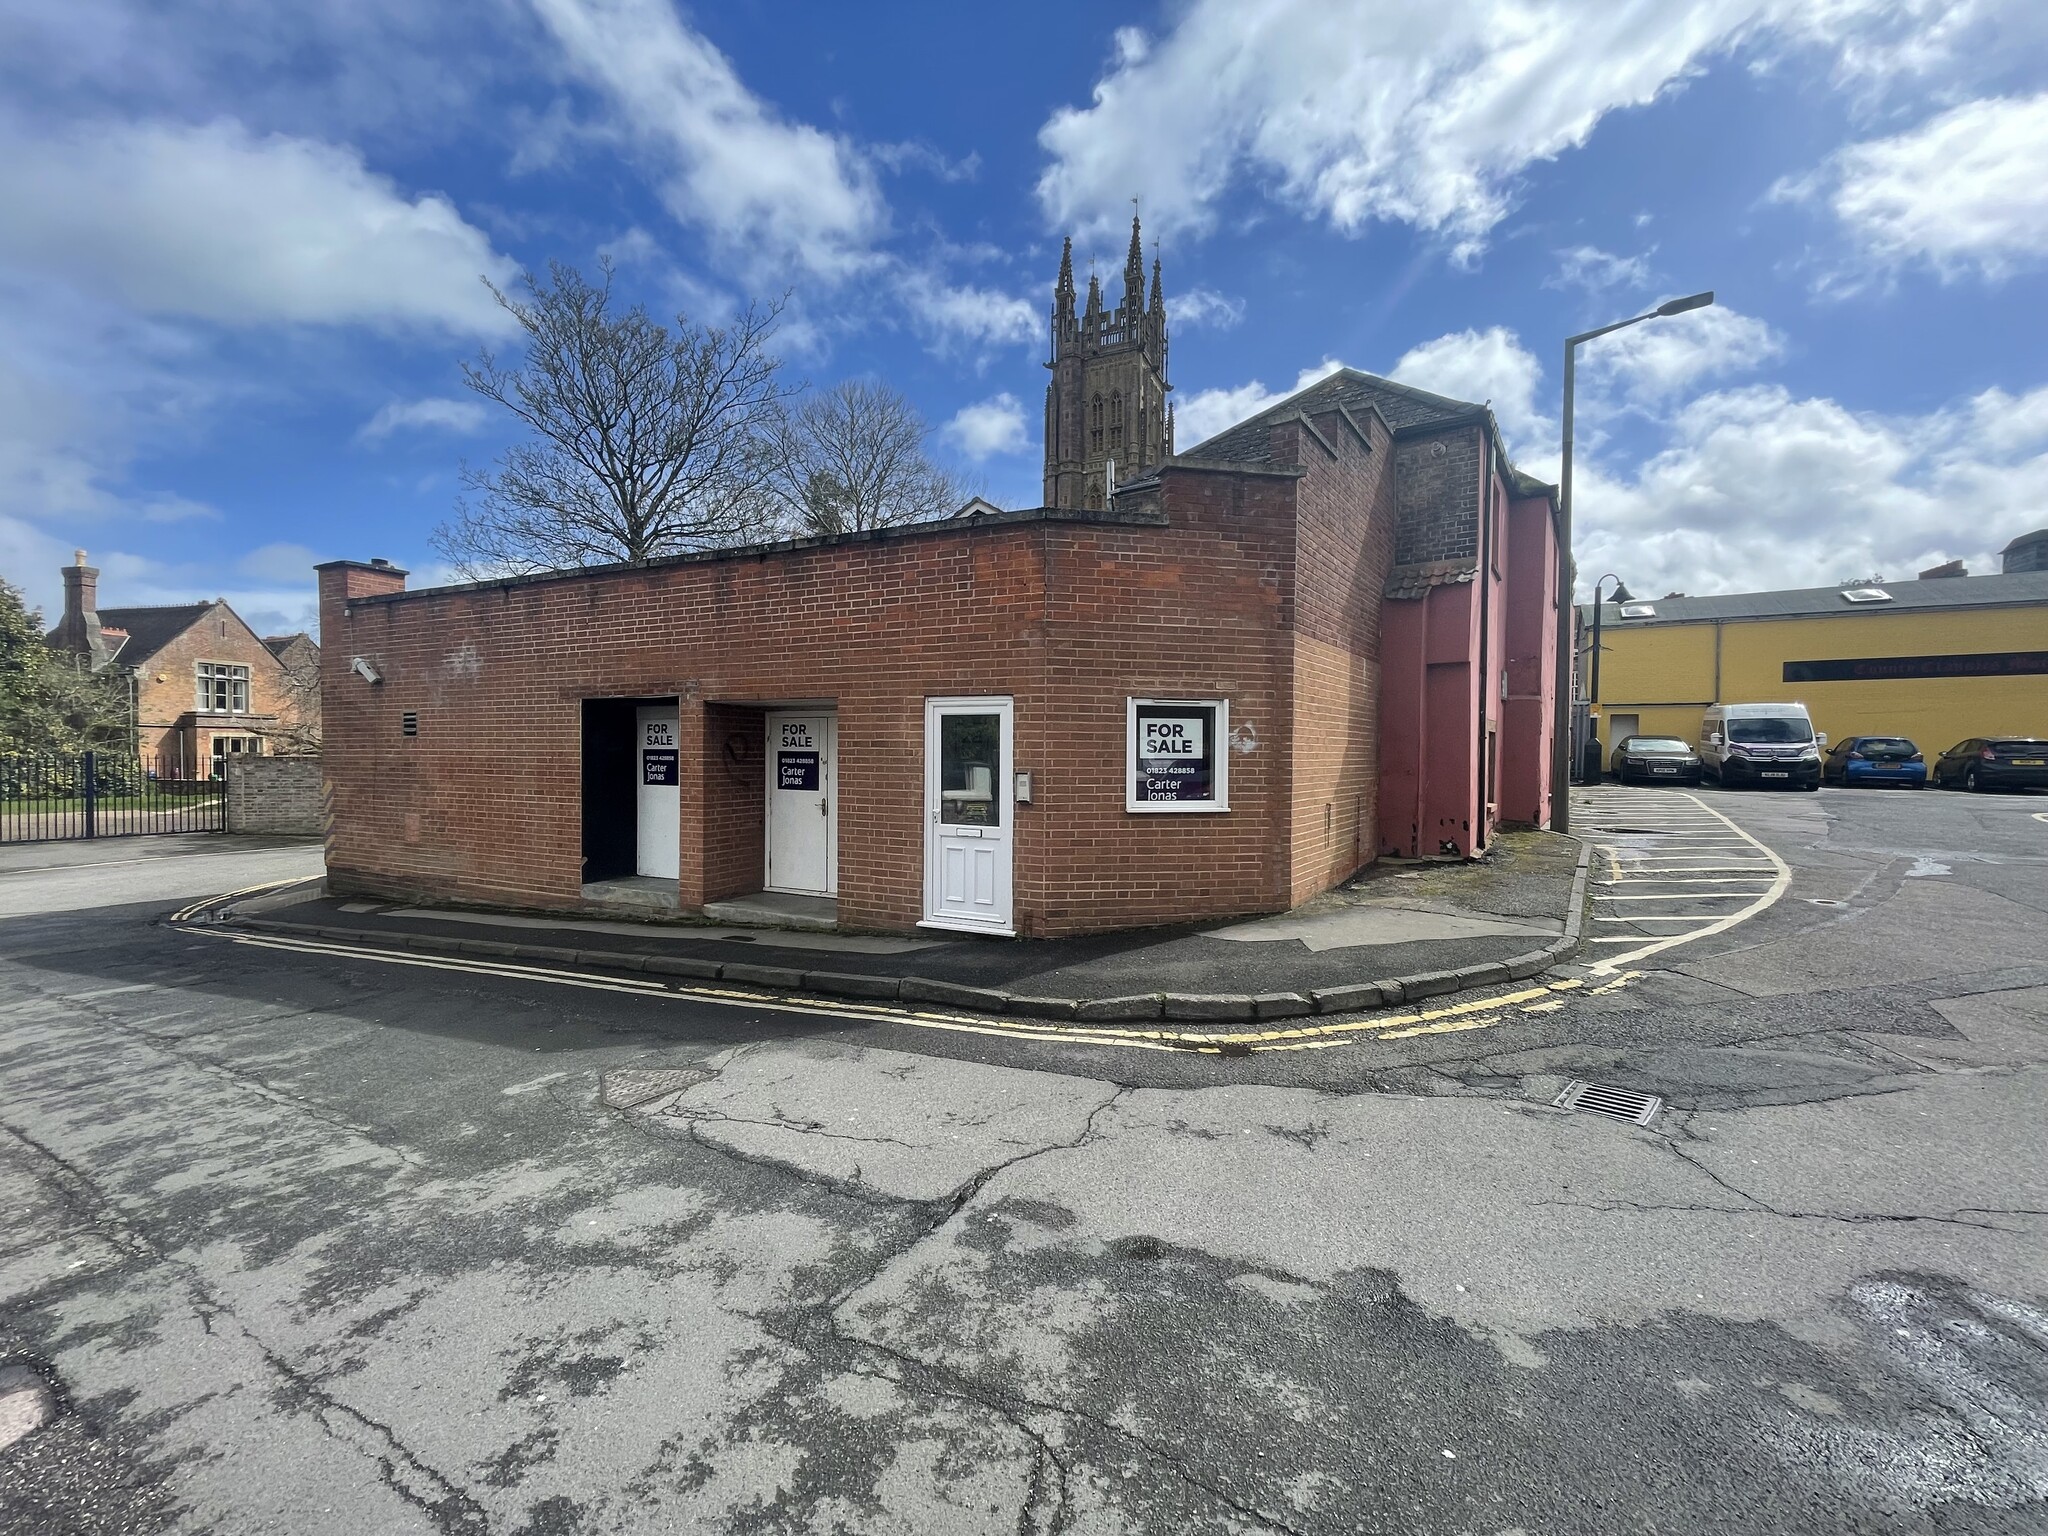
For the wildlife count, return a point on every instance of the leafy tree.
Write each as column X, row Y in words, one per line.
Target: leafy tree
column 852, row 457
column 645, row 441
column 51, row 701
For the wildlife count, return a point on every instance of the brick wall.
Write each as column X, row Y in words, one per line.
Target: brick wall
column 1067, row 618
column 1344, row 516
column 276, row 795
column 1438, row 496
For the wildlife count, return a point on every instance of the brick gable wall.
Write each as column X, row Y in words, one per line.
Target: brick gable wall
column 1344, row 517
column 167, row 689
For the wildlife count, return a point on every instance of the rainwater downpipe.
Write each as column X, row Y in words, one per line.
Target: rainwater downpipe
column 1486, row 500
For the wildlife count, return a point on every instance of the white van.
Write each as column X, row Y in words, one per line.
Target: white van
column 1766, row 744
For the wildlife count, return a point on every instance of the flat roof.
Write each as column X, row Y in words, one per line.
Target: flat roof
column 949, row 524
column 1940, row 592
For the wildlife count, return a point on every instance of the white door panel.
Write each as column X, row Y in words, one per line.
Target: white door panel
column 803, row 817
column 968, row 814
column 658, row 757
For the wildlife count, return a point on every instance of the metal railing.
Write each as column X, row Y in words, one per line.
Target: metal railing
column 50, row 796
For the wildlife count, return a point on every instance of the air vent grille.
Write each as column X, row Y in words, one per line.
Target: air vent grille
column 1615, row 1103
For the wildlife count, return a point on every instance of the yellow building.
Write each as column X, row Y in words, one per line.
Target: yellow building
column 1938, row 660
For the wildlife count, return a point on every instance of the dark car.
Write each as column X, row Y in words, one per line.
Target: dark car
column 1656, row 760
column 1875, row 760
column 1994, row 762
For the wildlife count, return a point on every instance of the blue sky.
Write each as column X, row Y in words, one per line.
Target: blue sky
column 242, row 243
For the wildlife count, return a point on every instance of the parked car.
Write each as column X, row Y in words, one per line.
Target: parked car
column 1767, row 744
column 1874, row 760
column 1994, row 762
column 1656, row 760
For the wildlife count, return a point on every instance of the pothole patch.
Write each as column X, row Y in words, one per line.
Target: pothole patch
column 629, row 1087
column 26, row 1404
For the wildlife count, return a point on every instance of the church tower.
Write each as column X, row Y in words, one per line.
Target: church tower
column 1106, row 403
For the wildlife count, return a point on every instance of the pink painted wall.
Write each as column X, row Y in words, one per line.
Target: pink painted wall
column 1437, row 796
column 1529, row 725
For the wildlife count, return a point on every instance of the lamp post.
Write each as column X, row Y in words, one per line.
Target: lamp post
column 1561, row 744
column 1621, row 595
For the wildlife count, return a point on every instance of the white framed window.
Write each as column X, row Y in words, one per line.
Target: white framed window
column 223, row 688
column 1177, row 755
column 225, row 747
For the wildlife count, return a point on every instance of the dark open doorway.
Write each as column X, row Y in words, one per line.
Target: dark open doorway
column 610, row 805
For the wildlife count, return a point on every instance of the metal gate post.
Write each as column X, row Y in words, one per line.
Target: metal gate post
column 92, row 794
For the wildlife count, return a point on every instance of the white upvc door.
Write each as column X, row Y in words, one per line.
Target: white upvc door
column 969, row 814
column 660, row 848
column 803, row 818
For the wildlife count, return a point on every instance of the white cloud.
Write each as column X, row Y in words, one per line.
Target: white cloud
column 435, row 414
column 1759, row 489
column 962, row 312
column 1204, row 307
column 1205, row 413
column 1489, row 366
column 771, row 195
column 1597, row 271
column 1961, row 193
column 1355, row 111
column 215, row 223
column 1651, row 363
column 988, row 427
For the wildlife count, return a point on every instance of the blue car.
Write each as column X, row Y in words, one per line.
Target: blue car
column 1875, row 760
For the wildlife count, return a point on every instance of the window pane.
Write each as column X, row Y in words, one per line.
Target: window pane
column 969, row 747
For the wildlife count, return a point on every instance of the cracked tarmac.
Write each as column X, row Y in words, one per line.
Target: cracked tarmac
column 304, row 1243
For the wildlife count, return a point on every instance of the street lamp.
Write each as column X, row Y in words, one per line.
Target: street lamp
column 1621, row 595
column 1561, row 745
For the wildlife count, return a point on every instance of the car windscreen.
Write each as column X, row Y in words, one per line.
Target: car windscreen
column 1651, row 745
column 2026, row 746
column 1883, row 748
column 1767, row 729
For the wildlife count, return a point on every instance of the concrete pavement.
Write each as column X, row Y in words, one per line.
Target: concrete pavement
column 323, row 1242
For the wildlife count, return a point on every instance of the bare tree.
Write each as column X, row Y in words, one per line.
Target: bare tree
column 852, row 457
column 645, row 443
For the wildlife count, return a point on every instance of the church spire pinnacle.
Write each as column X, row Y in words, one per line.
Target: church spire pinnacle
column 1134, row 266
column 1064, row 288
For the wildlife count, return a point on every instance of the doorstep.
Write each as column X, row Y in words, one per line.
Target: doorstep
column 776, row 909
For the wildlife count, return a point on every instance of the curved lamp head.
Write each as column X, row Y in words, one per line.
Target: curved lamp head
column 1690, row 301
column 1621, row 593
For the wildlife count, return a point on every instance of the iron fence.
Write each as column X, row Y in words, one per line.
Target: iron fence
column 47, row 796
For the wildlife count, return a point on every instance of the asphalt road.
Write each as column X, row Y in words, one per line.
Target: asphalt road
column 330, row 1243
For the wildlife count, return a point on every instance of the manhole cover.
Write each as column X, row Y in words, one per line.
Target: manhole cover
column 1614, row 1103
column 629, row 1086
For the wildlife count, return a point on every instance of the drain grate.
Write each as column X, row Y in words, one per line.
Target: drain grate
column 1614, row 1103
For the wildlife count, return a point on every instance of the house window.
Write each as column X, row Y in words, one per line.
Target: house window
column 225, row 747
column 223, row 688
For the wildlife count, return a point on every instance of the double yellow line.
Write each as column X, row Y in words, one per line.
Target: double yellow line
column 1451, row 1018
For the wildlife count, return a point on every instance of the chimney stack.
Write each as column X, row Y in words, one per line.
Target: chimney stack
column 80, row 626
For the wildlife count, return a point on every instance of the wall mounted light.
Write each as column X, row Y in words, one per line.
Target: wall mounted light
column 362, row 668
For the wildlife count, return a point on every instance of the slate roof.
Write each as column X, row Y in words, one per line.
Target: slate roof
column 1403, row 406
column 1805, row 602
column 1413, row 581
column 151, row 629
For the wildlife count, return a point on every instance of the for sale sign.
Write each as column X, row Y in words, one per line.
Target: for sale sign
column 1174, row 750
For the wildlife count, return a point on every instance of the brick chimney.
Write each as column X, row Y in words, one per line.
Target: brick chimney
column 80, row 626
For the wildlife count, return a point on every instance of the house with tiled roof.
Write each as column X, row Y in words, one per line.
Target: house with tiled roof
column 203, row 686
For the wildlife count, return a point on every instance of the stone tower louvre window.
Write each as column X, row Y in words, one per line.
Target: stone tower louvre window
column 1095, row 424
column 1116, row 420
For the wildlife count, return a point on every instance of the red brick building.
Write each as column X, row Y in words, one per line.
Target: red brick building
column 203, row 686
column 1181, row 706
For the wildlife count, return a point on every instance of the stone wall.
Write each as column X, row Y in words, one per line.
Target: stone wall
column 275, row 795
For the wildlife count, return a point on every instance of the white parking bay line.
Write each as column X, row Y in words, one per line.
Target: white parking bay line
column 1655, row 853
